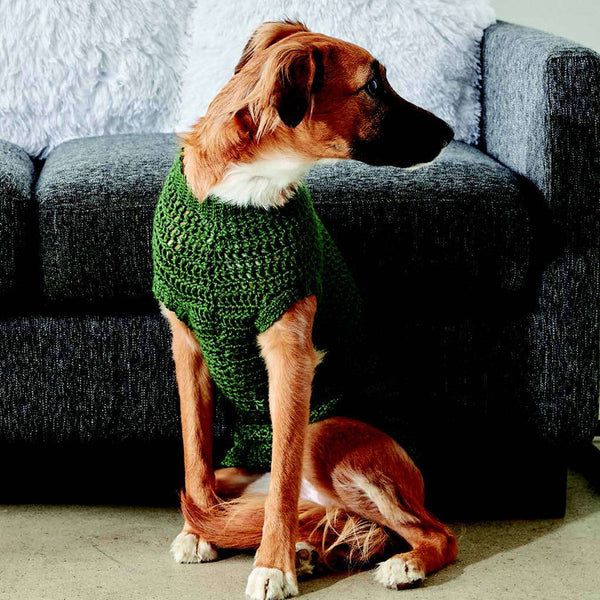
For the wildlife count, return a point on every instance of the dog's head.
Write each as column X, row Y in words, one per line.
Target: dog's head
column 303, row 92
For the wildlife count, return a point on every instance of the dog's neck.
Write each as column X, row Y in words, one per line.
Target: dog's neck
column 264, row 181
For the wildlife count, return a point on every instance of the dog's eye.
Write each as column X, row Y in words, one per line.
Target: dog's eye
column 372, row 88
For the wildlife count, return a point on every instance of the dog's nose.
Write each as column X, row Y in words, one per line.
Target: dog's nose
column 447, row 134
column 438, row 134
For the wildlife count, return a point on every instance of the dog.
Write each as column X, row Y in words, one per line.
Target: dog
column 338, row 490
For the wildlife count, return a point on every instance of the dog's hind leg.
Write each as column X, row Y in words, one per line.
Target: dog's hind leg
column 196, row 398
column 369, row 474
column 431, row 550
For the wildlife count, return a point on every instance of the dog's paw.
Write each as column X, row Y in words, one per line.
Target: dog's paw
column 398, row 573
column 307, row 559
column 270, row 584
column 187, row 548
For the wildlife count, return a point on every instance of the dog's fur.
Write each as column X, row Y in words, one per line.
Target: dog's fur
column 297, row 97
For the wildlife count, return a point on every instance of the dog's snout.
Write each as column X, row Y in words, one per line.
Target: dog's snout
column 408, row 135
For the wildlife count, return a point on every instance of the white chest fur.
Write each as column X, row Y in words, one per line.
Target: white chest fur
column 266, row 182
column 307, row 490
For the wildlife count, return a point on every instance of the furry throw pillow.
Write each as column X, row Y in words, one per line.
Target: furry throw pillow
column 91, row 67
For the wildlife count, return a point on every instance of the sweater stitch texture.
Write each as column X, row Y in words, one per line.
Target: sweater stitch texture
column 229, row 273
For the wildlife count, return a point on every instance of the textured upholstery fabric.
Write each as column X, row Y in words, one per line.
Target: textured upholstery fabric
column 463, row 225
column 541, row 102
column 96, row 198
column 86, row 378
column 93, row 378
column 17, row 240
column 443, row 256
column 541, row 118
column 465, row 218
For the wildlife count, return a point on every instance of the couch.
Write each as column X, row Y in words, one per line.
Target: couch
column 480, row 274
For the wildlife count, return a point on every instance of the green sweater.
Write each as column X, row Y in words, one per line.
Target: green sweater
column 229, row 273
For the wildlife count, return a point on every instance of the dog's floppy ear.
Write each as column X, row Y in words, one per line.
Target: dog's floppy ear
column 293, row 85
column 281, row 86
column 266, row 35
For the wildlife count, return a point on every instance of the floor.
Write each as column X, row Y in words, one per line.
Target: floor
column 66, row 552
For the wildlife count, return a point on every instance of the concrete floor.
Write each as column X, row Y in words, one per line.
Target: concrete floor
column 70, row 552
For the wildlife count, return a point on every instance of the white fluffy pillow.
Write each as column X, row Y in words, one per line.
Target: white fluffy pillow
column 91, row 67
column 431, row 48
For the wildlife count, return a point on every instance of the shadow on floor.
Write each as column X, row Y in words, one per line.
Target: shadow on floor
column 482, row 540
column 479, row 541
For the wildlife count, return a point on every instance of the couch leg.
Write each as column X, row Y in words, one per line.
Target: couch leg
column 586, row 460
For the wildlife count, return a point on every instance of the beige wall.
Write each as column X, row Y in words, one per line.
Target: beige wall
column 577, row 20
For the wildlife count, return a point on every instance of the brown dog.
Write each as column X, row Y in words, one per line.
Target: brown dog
column 297, row 97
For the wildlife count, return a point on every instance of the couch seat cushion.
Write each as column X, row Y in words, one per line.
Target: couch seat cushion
column 17, row 238
column 454, row 228
column 459, row 230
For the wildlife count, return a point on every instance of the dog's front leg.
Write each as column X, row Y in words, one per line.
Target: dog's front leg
column 290, row 360
column 196, row 402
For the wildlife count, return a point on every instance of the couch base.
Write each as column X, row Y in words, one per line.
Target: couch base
column 519, row 482
column 513, row 483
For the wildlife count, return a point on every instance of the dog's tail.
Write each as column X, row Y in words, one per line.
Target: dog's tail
column 338, row 535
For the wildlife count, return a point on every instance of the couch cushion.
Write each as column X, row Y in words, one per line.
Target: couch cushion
column 17, row 241
column 96, row 200
column 460, row 225
column 459, row 230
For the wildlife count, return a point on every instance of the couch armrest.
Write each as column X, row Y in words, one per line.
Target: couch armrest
column 541, row 114
column 541, row 118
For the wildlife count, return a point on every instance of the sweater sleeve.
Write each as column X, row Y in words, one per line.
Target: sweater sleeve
column 276, row 304
column 295, row 274
column 170, row 230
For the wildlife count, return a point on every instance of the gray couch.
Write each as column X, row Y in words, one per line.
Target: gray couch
column 480, row 274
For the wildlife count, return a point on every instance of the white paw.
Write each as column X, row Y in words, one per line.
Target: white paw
column 187, row 548
column 397, row 573
column 270, row 584
column 307, row 559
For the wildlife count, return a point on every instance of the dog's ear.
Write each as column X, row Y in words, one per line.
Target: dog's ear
column 296, row 74
column 281, row 87
column 266, row 35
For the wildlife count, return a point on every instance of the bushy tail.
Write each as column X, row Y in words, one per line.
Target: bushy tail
column 238, row 523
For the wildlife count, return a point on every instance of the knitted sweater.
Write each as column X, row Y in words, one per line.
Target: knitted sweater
column 229, row 273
